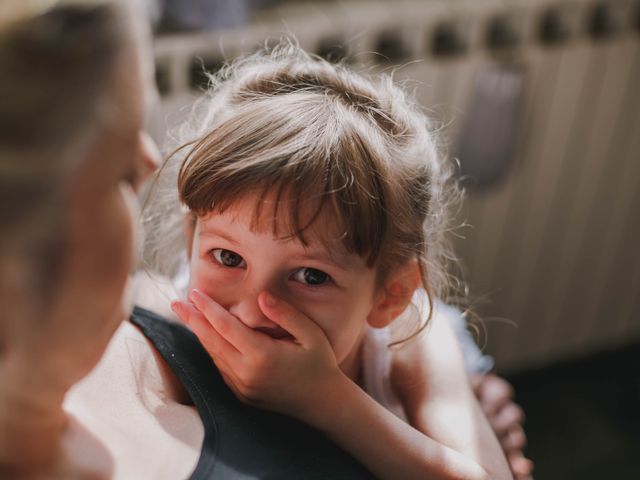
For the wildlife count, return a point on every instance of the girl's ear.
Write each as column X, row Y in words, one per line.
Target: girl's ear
column 395, row 295
column 189, row 229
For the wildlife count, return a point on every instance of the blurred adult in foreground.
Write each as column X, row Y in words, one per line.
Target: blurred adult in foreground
column 71, row 155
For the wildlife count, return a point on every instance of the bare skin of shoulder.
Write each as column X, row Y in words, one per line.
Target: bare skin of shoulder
column 133, row 404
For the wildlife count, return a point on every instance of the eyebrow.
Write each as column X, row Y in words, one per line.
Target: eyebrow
column 340, row 261
column 214, row 232
column 322, row 255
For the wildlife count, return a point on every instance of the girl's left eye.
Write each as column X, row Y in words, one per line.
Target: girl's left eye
column 311, row 276
column 228, row 258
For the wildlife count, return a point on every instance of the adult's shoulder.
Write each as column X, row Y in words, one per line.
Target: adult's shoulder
column 128, row 411
column 154, row 292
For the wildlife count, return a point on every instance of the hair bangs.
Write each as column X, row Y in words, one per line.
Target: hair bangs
column 297, row 163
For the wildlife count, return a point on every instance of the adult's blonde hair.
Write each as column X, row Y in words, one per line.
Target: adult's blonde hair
column 315, row 136
column 57, row 69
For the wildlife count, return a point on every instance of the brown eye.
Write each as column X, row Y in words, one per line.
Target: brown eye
column 311, row 276
column 228, row 258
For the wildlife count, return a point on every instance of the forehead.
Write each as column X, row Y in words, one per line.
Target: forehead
column 321, row 232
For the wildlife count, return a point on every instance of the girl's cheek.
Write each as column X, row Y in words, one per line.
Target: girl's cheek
column 212, row 279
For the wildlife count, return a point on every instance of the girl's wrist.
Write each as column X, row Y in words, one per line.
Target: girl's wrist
column 330, row 403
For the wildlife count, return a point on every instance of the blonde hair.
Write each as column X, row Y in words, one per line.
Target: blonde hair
column 54, row 94
column 314, row 133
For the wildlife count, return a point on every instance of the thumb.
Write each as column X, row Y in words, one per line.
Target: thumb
column 305, row 330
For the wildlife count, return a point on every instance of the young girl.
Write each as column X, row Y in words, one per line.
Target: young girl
column 317, row 206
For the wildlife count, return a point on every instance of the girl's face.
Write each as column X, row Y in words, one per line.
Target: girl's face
column 233, row 263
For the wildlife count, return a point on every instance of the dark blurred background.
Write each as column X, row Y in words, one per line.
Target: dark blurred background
column 539, row 101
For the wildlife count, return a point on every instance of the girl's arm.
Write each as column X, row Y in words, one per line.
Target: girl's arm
column 388, row 446
column 302, row 379
column 429, row 375
column 506, row 418
column 495, row 395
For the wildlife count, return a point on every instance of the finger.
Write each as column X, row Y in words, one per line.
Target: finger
column 232, row 329
column 216, row 345
column 494, row 393
column 287, row 317
column 476, row 382
column 236, row 387
column 509, row 417
column 232, row 382
column 521, row 467
column 186, row 312
column 514, row 440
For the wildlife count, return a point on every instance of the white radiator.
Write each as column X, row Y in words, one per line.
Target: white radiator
column 552, row 249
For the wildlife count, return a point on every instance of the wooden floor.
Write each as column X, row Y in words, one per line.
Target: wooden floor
column 583, row 417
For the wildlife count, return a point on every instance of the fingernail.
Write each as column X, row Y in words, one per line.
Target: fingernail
column 196, row 296
column 269, row 300
column 178, row 309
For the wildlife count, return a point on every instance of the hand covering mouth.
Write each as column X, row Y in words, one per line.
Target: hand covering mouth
column 275, row 332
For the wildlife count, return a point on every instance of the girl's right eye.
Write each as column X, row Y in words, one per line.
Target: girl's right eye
column 228, row 258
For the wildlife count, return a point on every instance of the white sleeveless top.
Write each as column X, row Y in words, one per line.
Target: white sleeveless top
column 376, row 367
column 376, row 356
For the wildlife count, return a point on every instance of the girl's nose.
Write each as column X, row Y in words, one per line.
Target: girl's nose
column 249, row 313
